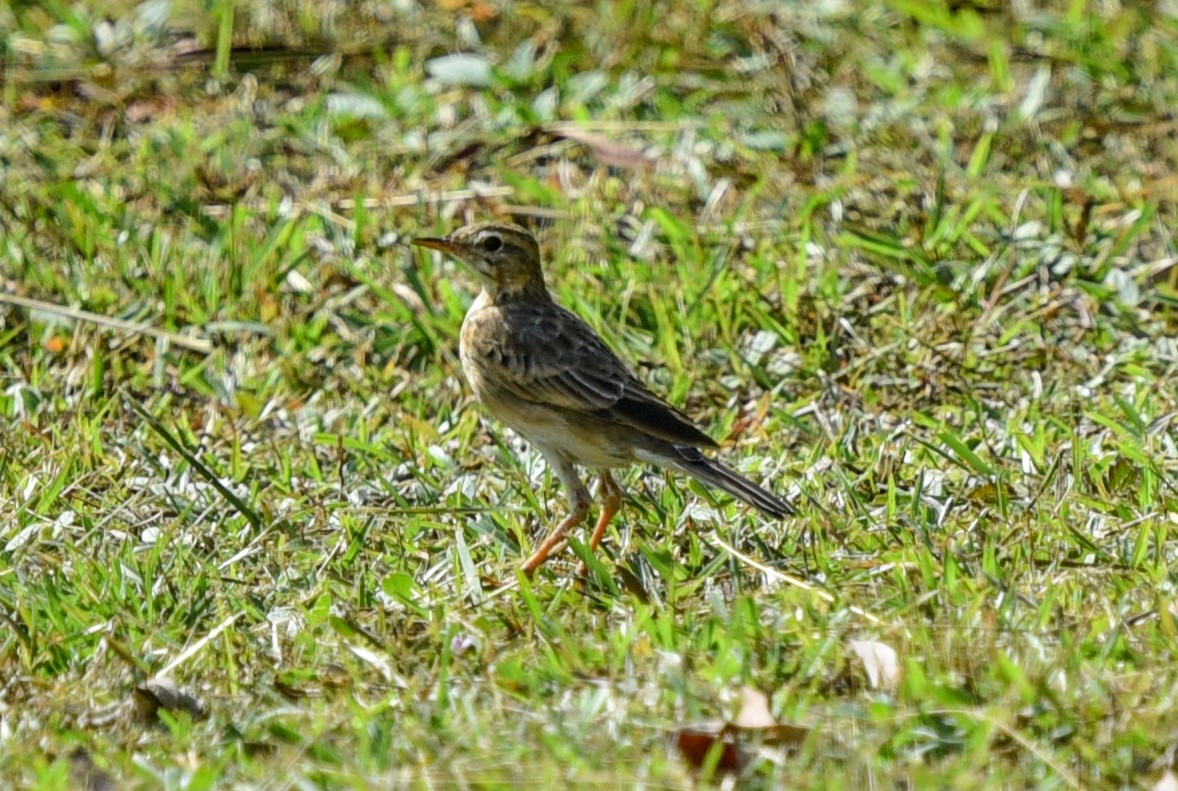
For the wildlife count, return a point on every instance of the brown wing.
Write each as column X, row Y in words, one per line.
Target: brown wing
column 549, row 356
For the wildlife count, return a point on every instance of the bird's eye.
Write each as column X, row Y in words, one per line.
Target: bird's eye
column 492, row 243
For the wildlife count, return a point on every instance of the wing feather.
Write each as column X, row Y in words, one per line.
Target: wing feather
column 553, row 358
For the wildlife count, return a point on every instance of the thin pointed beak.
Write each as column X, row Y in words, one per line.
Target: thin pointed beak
column 442, row 244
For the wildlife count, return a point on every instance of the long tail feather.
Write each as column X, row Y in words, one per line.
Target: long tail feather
column 699, row 466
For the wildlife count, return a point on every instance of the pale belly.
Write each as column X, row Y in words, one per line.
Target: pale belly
column 579, row 438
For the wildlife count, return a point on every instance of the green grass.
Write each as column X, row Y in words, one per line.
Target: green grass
column 916, row 260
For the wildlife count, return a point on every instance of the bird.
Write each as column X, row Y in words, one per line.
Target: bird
column 541, row 370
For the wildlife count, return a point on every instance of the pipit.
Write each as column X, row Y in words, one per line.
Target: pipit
column 545, row 373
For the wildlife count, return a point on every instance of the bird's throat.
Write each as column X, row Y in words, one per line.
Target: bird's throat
column 506, row 293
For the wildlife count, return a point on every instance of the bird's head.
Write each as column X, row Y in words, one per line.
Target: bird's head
column 505, row 257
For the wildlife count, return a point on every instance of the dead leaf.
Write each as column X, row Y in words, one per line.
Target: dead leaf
column 163, row 693
column 880, row 662
column 697, row 742
column 722, row 745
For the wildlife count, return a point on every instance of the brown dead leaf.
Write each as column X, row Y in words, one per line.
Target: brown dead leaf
column 705, row 742
column 163, row 693
column 724, row 745
column 880, row 662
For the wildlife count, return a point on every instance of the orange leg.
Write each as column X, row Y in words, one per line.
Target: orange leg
column 579, row 502
column 554, row 539
column 611, row 503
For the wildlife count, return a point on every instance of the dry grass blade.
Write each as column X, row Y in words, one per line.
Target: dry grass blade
column 137, row 328
column 195, row 648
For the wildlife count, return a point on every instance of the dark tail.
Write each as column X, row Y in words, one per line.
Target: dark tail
column 699, row 466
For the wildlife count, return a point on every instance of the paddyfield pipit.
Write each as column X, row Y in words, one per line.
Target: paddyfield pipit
column 544, row 372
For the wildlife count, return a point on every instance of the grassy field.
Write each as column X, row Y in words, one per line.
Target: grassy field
column 914, row 262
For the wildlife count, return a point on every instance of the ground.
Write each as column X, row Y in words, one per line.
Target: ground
column 914, row 263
